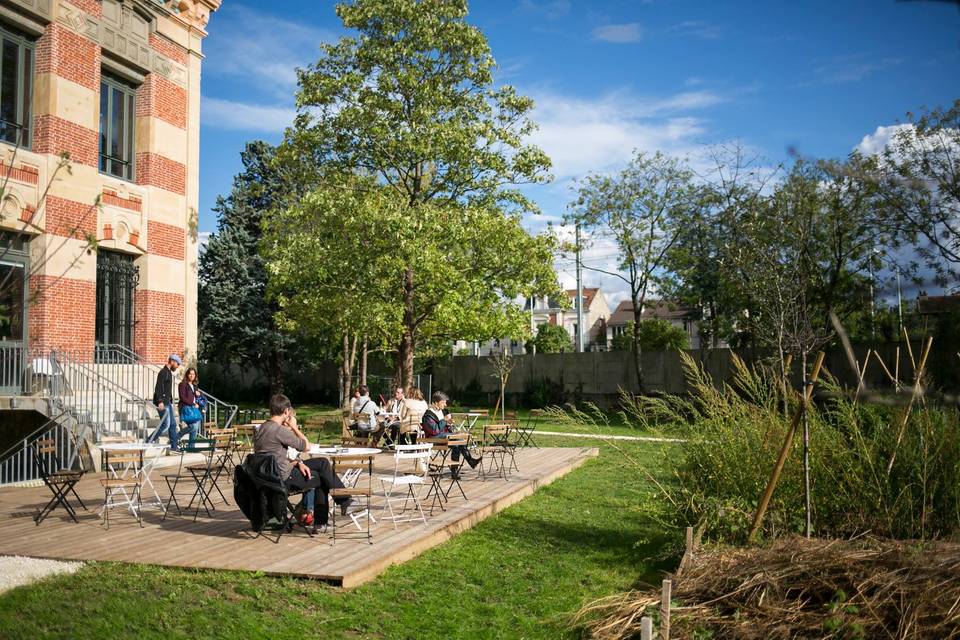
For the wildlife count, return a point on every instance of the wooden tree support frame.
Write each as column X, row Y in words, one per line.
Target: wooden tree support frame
column 785, row 449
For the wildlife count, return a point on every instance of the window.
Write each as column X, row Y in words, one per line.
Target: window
column 116, row 127
column 16, row 88
column 117, row 278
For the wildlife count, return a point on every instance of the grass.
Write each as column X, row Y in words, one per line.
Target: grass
column 516, row 575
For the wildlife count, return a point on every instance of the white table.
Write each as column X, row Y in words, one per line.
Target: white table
column 332, row 452
column 151, row 456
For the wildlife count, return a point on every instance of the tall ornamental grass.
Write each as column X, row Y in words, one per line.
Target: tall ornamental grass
column 734, row 433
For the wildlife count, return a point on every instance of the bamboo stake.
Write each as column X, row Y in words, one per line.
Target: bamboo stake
column 646, row 628
column 785, row 450
column 896, row 370
column 860, row 375
column 917, row 392
column 883, row 365
column 913, row 361
column 665, row 594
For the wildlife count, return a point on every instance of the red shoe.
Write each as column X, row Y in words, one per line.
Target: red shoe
column 306, row 519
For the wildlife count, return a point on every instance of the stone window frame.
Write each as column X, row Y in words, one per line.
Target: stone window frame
column 111, row 83
column 26, row 54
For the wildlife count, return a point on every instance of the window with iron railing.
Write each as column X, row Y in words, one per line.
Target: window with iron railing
column 116, row 127
column 117, row 279
column 16, row 88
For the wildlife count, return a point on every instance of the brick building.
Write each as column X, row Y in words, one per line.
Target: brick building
column 116, row 85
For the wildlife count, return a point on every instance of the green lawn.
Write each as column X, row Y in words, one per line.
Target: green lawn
column 516, row 575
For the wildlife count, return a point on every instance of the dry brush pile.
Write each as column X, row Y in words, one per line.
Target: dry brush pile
column 798, row 588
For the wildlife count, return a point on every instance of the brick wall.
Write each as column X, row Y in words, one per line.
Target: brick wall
column 164, row 47
column 56, row 135
column 159, row 325
column 166, row 240
column 62, row 312
column 158, row 171
column 68, row 218
column 162, row 99
column 90, row 6
column 69, row 55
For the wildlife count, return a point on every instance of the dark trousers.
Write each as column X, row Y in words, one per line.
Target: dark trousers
column 321, row 481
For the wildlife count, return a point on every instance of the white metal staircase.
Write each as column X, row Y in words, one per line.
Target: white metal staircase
column 86, row 397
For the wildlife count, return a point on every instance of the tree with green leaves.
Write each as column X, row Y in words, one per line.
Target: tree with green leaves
column 552, row 338
column 641, row 209
column 655, row 335
column 236, row 320
column 409, row 102
column 919, row 174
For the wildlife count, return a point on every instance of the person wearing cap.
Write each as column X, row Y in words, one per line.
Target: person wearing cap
column 163, row 399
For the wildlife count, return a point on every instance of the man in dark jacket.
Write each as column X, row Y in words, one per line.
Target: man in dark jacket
column 276, row 437
column 163, row 399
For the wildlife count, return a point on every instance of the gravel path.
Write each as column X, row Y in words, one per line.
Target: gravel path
column 600, row 436
column 17, row 570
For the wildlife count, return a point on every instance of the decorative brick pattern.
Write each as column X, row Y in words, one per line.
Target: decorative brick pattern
column 90, row 6
column 161, row 98
column 24, row 173
column 69, row 219
column 62, row 312
column 166, row 240
column 110, row 197
column 56, row 135
column 159, row 319
column 164, row 47
column 69, row 55
column 158, row 171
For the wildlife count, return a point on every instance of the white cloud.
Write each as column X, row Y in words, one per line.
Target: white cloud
column 618, row 33
column 203, row 238
column 229, row 114
column 875, row 143
column 550, row 9
column 584, row 135
column 697, row 29
column 238, row 48
column 852, row 68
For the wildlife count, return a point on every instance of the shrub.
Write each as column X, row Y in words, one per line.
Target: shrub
column 552, row 338
column 736, row 432
column 655, row 335
column 542, row 392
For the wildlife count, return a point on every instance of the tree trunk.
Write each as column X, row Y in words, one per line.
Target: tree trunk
column 807, row 529
column 363, row 362
column 408, row 341
column 637, row 360
column 343, row 377
column 275, row 374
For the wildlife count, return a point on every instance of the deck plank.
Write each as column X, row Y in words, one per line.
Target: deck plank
column 225, row 541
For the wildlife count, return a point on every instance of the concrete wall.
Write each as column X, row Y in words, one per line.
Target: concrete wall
column 598, row 376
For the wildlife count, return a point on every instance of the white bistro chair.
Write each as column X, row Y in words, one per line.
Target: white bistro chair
column 416, row 455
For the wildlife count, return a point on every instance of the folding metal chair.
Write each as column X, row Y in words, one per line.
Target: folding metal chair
column 418, row 455
column 525, row 432
column 496, row 447
column 342, row 464
column 59, row 480
column 200, row 445
column 124, row 472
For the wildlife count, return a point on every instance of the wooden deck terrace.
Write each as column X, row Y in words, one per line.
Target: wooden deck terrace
column 225, row 540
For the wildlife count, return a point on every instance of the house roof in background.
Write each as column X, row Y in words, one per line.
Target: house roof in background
column 932, row 305
column 653, row 309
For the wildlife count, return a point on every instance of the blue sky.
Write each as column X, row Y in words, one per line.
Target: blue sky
column 610, row 76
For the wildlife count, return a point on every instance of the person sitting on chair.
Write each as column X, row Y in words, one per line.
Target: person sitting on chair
column 435, row 424
column 367, row 414
column 274, row 437
column 394, row 411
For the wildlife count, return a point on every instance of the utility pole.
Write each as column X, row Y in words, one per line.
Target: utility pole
column 579, row 296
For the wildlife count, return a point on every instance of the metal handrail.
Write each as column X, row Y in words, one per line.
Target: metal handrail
column 128, row 356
